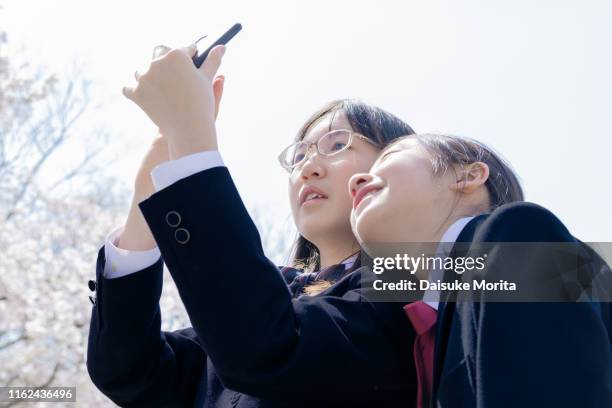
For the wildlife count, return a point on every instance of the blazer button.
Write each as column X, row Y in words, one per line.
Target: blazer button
column 181, row 235
column 173, row 218
column 92, row 285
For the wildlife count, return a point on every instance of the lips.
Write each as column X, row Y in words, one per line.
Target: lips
column 363, row 192
column 311, row 193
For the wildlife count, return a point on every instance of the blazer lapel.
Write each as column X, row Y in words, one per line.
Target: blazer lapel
column 446, row 307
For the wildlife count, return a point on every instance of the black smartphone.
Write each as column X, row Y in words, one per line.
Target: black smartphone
column 224, row 39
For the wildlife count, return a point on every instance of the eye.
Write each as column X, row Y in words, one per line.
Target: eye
column 338, row 146
column 386, row 154
column 298, row 157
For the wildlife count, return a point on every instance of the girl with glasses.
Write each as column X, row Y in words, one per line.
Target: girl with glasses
column 262, row 337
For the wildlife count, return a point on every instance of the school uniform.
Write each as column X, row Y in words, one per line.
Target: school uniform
column 255, row 341
column 521, row 354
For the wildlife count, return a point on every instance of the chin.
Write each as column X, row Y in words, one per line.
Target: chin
column 368, row 227
column 374, row 237
column 320, row 225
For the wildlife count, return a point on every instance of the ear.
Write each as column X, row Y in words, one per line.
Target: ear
column 471, row 177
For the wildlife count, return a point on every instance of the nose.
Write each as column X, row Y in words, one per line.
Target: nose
column 311, row 167
column 357, row 181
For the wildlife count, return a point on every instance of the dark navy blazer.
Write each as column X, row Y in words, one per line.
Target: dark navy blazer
column 511, row 354
column 253, row 343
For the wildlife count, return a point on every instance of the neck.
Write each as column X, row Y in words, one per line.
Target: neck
column 452, row 218
column 335, row 251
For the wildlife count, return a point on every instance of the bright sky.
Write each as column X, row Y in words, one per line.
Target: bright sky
column 531, row 79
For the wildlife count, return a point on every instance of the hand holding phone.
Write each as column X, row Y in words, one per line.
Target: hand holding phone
column 183, row 102
column 224, row 39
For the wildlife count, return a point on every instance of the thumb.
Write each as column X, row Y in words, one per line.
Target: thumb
column 218, row 84
column 190, row 50
column 213, row 61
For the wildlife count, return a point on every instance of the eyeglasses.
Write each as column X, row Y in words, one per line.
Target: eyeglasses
column 330, row 144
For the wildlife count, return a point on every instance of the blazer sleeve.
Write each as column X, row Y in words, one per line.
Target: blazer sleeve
column 548, row 353
column 129, row 358
column 260, row 340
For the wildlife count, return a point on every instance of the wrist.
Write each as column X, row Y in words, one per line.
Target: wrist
column 143, row 188
column 192, row 142
column 136, row 235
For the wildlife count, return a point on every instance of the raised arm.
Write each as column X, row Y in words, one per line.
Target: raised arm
column 261, row 341
column 129, row 358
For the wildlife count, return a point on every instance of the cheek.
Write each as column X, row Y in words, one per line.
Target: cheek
column 407, row 200
column 371, row 218
column 368, row 226
column 341, row 172
column 387, row 212
column 342, row 199
column 358, row 162
column 422, row 194
column 293, row 188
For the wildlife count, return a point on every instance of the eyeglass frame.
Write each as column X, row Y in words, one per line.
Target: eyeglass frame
column 316, row 144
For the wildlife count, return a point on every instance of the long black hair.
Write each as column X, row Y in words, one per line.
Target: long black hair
column 371, row 121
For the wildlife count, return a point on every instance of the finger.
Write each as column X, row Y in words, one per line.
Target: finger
column 160, row 140
column 213, row 61
column 218, row 84
column 128, row 92
column 190, row 50
column 136, row 75
column 160, row 51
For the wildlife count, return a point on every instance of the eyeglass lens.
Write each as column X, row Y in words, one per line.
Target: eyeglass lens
column 329, row 144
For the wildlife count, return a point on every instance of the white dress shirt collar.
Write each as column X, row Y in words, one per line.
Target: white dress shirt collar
column 348, row 263
column 432, row 297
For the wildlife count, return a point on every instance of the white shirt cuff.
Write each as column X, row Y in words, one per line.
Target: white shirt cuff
column 172, row 171
column 121, row 262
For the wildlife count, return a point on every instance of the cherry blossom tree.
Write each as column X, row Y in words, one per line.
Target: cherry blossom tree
column 51, row 229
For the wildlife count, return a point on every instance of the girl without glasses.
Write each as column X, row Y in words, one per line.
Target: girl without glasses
column 535, row 347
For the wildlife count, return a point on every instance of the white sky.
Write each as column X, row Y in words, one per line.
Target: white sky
column 530, row 78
